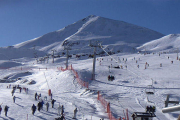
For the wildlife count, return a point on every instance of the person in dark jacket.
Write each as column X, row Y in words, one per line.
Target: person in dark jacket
column 75, row 112
column 14, row 98
column 33, row 108
column 42, row 103
column 52, row 102
column 62, row 110
column 47, row 106
column 35, row 96
column 6, row 110
column 39, row 106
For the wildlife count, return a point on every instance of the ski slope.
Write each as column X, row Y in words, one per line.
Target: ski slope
column 127, row 91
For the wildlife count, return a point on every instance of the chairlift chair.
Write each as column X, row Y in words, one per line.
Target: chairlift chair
column 111, row 77
column 168, row 101
column 150, row 90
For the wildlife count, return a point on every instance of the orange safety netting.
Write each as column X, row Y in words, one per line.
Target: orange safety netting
column 81, row 82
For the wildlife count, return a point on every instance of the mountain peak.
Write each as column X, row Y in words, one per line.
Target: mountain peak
column 92, row 27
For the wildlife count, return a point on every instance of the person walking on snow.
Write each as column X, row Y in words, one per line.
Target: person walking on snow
column 14, row 99
column 12, row 92
column 42, row 103
column 39, row 106
column 75, row 112
column 51, row 96
column 47, row 106
column 52, row 102
column 35, row 96
column 59, row 109
column 62, row 110
column 39, row 96
column 20, row 90
column 26, row 90
column 33, row 108
column 6, row 110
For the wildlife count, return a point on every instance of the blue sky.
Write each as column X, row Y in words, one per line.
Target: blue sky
column 22, row 20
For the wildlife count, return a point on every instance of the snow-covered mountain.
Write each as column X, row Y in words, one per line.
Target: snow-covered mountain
column 128, row 90
column 169, row 43
column 9, row 53
column 115, row 35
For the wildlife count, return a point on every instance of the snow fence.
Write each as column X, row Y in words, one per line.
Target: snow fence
column 81, row 82
column 106, row 106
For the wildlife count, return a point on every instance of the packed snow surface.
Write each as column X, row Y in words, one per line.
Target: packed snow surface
column 30, row 65
column 169, row 43
column 127, row 91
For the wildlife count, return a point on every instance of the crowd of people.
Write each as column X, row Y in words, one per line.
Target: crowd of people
column 39, row 100
column 14, row 88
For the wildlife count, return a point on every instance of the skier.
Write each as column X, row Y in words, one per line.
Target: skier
column 147, row 108
column 20, row 89
column 51, row 96
column 14, row 99
column 52, row 102
column 0, row 109
column 13, row 92
column 47, row 106
column 108, row 77
column 59, row 109
column 26, row 90
column 42, row 102
column 33, row 108
column 39, row 96
column 6, row 110
column 35, row 96
column 153, row 109
column 75, row 112
column 62, row 110
column 39, row 106
column 150, row 109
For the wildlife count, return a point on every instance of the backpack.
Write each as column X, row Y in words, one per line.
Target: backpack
column 0, row 108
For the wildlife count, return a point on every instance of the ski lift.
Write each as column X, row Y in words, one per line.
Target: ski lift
column 150, row 90
column 143, row 116
column 168, row 101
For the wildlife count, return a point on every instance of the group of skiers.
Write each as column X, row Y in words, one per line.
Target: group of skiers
column 17, row 87
column 36, row 96
column 40, row 104
column 150, row 109
column 14, row 97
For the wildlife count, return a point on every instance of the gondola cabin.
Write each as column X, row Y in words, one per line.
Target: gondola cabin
column 143, row 116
